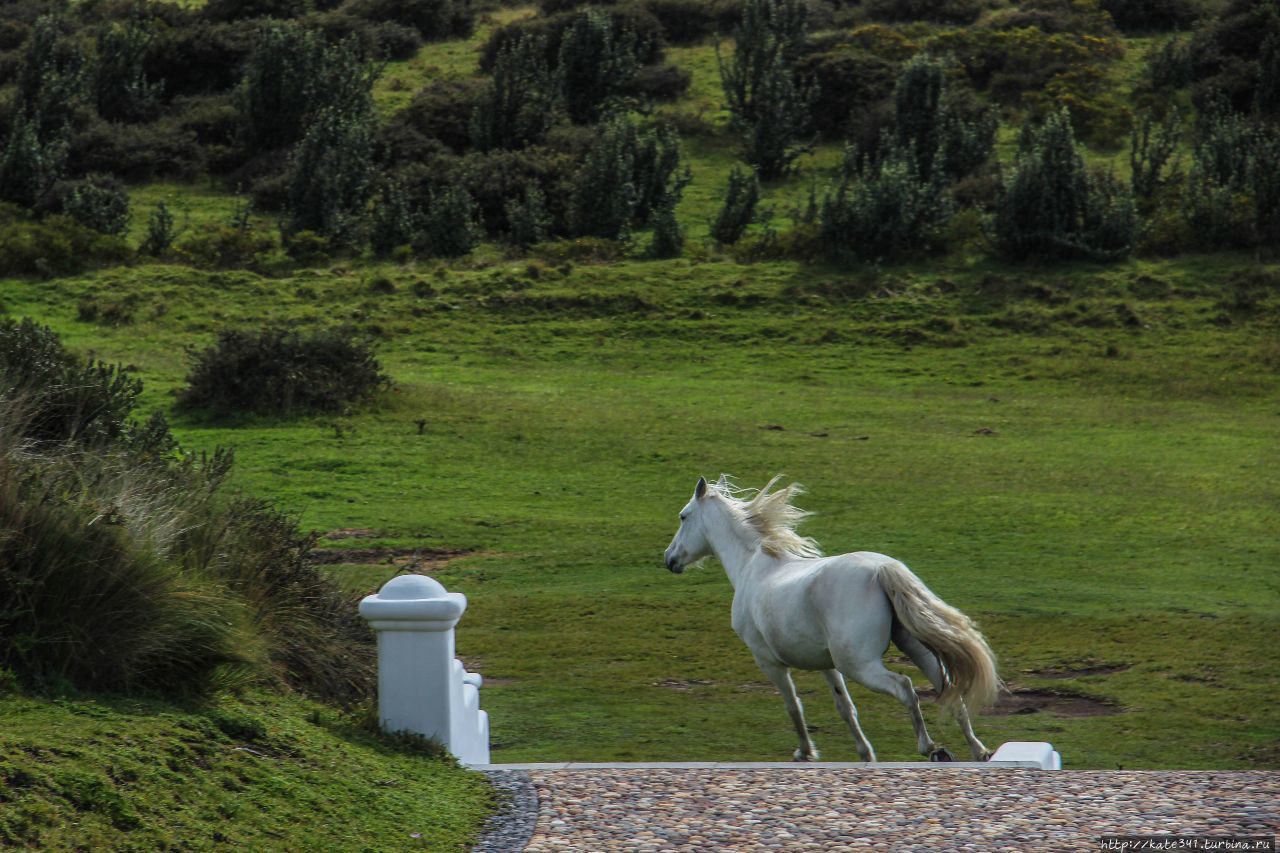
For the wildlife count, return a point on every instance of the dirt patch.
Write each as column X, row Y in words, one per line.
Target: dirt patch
column 351, row 533
column 682, row 685
column 1078, row 670
column 427, row 558
column 1063, row 703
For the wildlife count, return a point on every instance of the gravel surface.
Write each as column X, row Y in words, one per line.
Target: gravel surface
column 871, row 809
column 512, row 826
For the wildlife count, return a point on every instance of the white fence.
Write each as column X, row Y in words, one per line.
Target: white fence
column 422, row 687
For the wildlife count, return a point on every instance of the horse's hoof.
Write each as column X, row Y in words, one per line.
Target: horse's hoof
column 941, row 754
column 985, row 756
column 801, row 755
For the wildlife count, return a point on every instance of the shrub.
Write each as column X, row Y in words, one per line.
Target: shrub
column 936, row 11
column 56, row 245
column 1229, row 55
column 122, row 567
column 604, row 194
column 278, row 372
column 1140, row 15
column 493, row 178
column 121, row 89
column 739, row 208
column 846, row 83
column 433, row 19
column 442, row 110
column 225, row 247
column 595, row 63
column 668, row 237
column 135, row 152
column 161, row 231
column 647, row 32
column 1232, row 195
column 98, row 203
column 450, row 228
column 659, row 83
column 54, row 399
column 883, row 209
column 51, row 79
column 689, row 21
column 518, row 106
column 658, row 179
column 1151, row 147
column 1053, row 207
column 201, row 57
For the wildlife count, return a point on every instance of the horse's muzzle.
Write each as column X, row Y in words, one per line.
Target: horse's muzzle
column 674, row 565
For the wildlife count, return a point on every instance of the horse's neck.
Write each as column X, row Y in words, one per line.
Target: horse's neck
column 735, row 547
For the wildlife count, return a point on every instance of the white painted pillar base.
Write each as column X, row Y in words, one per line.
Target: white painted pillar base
column 422, row 688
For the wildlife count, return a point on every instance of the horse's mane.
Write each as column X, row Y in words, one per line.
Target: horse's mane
column 771, row 515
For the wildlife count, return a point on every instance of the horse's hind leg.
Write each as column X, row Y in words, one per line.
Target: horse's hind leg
column 844, row 705
column 781, row 679
column 872, row 674
column 928, row 663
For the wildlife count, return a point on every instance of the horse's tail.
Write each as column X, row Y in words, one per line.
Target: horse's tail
column 968, row 664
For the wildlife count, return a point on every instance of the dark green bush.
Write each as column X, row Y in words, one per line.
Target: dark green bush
column 1053, row 207
column 278, row 372
column 161, row 231
column 527, row 218
column 29, row 167
column 552, row 28
column 393, row 222
column 121, row 89
column 1228, row 53
column 442, row 110
column 846, row 83
column 1232, row 195
column 200, row 58
column 433, row 19
column 689, row 21
column 1141, row 15
column 936, row 11
column 946, row 134
column 135, row 152
column 658, row 83
column 604, row 196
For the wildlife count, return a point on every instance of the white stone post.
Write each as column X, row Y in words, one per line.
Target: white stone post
column 421, row 687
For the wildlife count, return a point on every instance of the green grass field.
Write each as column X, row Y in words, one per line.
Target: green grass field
column 1081, row 458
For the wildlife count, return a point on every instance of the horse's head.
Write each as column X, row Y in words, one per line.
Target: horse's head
column 690, row 543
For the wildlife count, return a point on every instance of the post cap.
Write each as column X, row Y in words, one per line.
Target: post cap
column 411, row 588
column 413, row 603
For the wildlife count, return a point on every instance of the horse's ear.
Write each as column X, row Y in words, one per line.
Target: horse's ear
column 701, row 488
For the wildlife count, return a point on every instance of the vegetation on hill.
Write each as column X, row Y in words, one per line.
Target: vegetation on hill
column 995, row 280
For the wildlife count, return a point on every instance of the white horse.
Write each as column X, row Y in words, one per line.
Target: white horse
column 796, row 609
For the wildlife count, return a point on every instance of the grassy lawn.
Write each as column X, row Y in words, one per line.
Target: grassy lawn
column 261, row 772
column 1082, row 458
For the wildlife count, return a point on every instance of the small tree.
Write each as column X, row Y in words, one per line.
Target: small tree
column 595, row 63
column 739, row 208
column 1151, row 148
column 603, row 198
column 769, row 108
column 28, row 166
column 668, row 237
column 99, row 204
column 50, row 80
column 931, row 124
column 160, row 231
column 659, row 180
column 393, row 222
column 519, row 104
column 330, row 175
column 120, row 85
column 451, row 226
column 528, row 218
column 1052, row 207
column 291, row 76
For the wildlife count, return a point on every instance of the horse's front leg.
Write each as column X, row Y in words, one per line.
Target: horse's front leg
column 781, row 678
